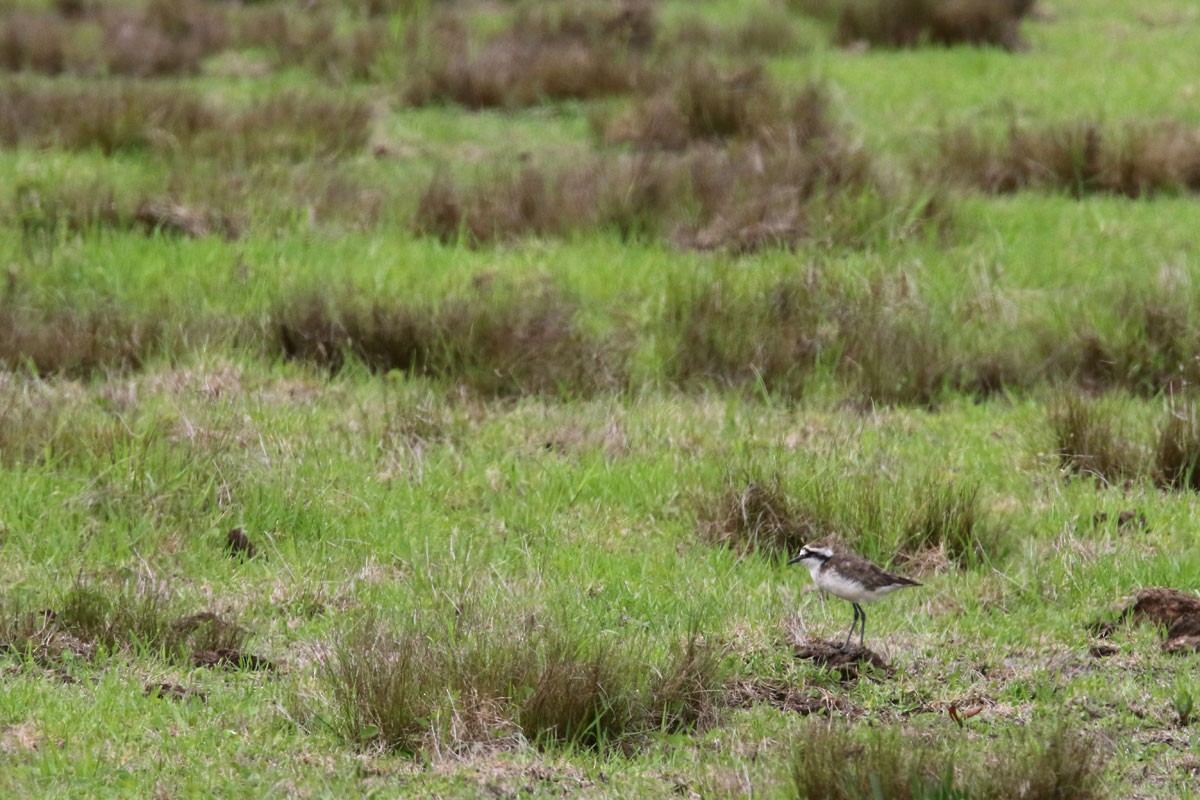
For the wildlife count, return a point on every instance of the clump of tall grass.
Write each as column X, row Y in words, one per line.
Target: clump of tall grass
column 949, row 517
column 557, row 52
column 1177, row 457
column 115, row 116
column 94, row 617
column 729, row 337
column 413, row 687
column 496, row 340
column 913, row 23
column 76, row 343
column 1091, row 441
column 832, row 762
column 1078, row 158
column 755, row 514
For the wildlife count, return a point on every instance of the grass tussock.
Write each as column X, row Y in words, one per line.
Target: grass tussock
column 495, row 340
column 160, row 38
column 706, row 104
column 940, row 521
column 124, row 116
column 165, row 38
column 315, row 41
column 1091, row 441
column 1077, row 158
column 719, row 162
column 893, row 348
column 766, row 31
column 950, row 519
column 756, row 515
column 832, row 762
column 915, row 23
column 727, row 338
column 551, row 52
column 884, row 340
column 94, row 618
column 76, row 343
column 1178, row 453
column 488, row 681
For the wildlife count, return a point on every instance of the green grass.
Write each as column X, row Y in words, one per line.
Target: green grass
column 498, row 574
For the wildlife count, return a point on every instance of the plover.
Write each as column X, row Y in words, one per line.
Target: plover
column 849, row 577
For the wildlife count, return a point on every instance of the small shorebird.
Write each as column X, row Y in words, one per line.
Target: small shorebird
column 849, row 577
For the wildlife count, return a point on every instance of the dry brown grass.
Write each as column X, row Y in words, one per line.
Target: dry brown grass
column 728, row 339
column 831, row 762
column 721, row 162
column 556, row 52
column 1079, row 158
column 949, row 518
column 75, row 343
column 497, row 340
column 756, row 515
column 96, row 618
column 314, row 40
column 158, row 39
column 119, row 116
column 884, row 342
column 913, row 23
column 1177, row 458
column 493, row 681
column 1092, row 441
column 168, row 38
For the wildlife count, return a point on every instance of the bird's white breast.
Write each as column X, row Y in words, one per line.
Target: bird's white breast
column 840, row 586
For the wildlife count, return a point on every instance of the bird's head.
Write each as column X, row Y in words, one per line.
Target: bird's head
column 811, row 554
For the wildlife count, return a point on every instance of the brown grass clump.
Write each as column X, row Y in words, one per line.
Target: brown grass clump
column 773, row 340
column 560, row 53
column 75, row 343
column 720, row 162
column 1177, row 458
column 161, row 38
column 487, row 681
column 756, row 515
column 913, row 23
column 683, row 691
column 580, row 695
column 166, row 38
column 174, row 218
column 32, row 41
column 950, row 519
column 706, row 104
column 892, row 347
column 833, row 762
column 497, row 341
column 118, row 116
column 94, row 618
column 316, row 41
column 1091, row 442
column 884, row 340
column 635, row 197
column 1152, row 349
column 1079, row 158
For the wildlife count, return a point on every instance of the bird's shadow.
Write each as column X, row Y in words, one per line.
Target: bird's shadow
column 851, row 663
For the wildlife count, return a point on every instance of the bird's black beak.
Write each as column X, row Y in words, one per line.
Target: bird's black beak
column 795, row 559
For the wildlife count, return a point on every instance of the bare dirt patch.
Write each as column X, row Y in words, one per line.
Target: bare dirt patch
column 232, row 659
column 172, row 691
column 850, row 663
column 780, row 695
column 1176, row 611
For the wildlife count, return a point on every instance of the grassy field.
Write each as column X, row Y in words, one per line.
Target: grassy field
column 413, row 398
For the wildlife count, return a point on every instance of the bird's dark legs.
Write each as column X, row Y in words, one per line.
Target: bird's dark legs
column 860, row 620
column 858, row 612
